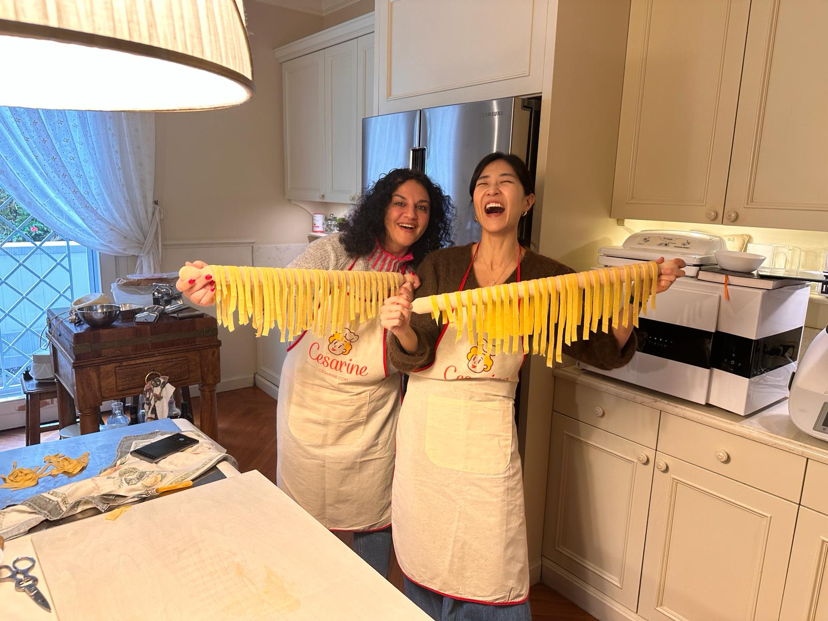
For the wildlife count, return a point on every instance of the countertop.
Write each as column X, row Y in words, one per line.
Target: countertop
column 771, row 426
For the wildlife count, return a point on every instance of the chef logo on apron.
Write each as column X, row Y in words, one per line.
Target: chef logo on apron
column 341, row 343
column 341, row 346
column 479, row 364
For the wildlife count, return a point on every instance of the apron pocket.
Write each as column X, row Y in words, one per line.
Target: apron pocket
column 469, row 436
column 319, row 420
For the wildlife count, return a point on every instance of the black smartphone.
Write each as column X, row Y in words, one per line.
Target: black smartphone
column 158, row 450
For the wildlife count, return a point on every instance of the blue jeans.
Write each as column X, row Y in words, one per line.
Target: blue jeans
column 374, row 548
column 445, row 608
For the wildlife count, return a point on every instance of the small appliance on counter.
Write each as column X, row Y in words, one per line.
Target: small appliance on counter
column 736, row 351
column 695, row 248
column 808, row 404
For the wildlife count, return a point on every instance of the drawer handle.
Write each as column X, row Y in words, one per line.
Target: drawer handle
column 723, row 456
column 643, row 459
column 598, row 411
column 661, row 466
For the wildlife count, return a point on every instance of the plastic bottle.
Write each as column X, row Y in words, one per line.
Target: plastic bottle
column 172, row 409
column 117, row 418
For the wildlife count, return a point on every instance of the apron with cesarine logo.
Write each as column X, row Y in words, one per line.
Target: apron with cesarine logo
column 335, row 427
column 457, row 501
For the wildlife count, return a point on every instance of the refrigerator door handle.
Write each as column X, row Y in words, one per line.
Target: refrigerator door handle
column 418, row 156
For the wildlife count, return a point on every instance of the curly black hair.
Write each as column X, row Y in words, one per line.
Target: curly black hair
column 365, row 223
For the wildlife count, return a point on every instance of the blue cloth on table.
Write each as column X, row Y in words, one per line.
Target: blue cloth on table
column 102, row 447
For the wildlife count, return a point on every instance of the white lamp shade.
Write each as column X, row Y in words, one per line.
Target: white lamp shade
column 124, row 54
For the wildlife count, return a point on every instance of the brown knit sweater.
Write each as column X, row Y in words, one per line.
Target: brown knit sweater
column 442, row 271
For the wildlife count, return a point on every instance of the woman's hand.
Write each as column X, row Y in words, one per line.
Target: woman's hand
column 668, row 272
column 395, row 314
column 196, row 283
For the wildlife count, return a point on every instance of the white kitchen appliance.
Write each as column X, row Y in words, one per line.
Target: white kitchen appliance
column 736, row 353
column 808, row 404
column 695, row 248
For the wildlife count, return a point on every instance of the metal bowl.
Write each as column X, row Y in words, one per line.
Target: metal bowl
column 99, row 315
column 128, row 311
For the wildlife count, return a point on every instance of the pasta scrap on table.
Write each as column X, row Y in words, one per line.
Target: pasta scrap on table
column 20, row 478
column 61, row 464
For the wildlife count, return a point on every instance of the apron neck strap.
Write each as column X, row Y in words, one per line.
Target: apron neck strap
column 471, row 263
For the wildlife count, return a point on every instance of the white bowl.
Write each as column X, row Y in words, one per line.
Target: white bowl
column 739, row 261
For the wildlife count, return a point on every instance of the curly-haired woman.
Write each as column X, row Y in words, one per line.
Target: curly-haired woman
column 339, row 398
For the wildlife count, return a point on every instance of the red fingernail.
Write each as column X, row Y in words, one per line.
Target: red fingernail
column 212, row 288
column 208, row 277
column 192, row 281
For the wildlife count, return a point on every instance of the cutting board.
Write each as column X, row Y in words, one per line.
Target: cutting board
column 236, row 548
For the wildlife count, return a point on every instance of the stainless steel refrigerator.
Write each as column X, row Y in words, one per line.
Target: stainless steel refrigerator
column 446, row 143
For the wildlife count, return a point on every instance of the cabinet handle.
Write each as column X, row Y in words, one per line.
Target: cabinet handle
column 321, row 196
column 643, row 459
column 732, row 216
column 723, row 456
column 661, row 466
column 598, row 411
column 354, row 198
column 712, row 215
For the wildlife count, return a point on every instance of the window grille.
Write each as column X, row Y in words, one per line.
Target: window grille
column 38, row 270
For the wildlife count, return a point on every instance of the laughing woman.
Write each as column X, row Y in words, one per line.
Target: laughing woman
column 457, row 501
column 335, row 430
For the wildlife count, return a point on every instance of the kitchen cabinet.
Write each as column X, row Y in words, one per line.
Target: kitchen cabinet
column 652, row 514
column 806, row 588
column 435, row 53
column 328, row 87
column 722, row 117
column 717, row 548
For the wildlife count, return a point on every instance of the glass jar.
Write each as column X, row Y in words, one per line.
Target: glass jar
column 331, row 223
column 117, row 418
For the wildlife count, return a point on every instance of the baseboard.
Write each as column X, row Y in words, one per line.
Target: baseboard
column 584, row 595
column 267, row 386
column 535, row 572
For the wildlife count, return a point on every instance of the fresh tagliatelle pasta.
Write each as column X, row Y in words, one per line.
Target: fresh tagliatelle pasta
column 295, row 300
column 549, row 310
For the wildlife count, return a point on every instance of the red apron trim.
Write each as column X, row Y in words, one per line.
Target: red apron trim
column 296, row 342
column 466, row 599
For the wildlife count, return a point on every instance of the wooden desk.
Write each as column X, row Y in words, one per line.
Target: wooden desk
column 93, row 365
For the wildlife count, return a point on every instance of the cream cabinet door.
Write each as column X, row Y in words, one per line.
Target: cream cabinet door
column 303, row 84
column 780, row 149
column 716, row 549
column 806, row 590
column 597, row 500
column 367, row 93
column 434, row 52
column 681, row 87
column 341, row 156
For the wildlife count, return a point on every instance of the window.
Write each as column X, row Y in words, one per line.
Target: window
column 38, row 270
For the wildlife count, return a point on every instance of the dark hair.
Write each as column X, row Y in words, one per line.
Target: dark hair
column 366, row 222
column 517, row 164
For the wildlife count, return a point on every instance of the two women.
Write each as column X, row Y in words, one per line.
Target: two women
column 457, row 501
column 335, row 430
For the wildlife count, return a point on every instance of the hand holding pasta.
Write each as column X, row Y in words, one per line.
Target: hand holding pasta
column 196, row 282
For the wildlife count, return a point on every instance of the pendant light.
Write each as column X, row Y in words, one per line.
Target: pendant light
column 124, row 54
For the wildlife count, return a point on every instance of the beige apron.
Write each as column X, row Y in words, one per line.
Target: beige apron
column 459, row 524
column 335, row 427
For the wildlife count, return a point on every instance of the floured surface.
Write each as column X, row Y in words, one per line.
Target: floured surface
column 236, row 548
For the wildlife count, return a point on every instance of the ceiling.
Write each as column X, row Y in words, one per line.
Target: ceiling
column 315, row 7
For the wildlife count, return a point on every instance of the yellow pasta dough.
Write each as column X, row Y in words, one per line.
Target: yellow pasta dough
column 550, row 310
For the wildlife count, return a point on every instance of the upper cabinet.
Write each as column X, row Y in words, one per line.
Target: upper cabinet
column 723, row 114
column 328, row 87
column 433, row 52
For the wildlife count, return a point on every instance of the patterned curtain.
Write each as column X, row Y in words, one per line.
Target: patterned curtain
column 89, row 176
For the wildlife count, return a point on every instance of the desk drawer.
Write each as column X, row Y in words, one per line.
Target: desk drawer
column 622, row 417
column 764, row 467
column 128, row 377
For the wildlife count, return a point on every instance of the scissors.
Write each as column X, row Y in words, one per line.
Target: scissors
column 19, row 571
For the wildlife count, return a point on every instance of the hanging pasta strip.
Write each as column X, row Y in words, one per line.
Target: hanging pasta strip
column 517, row 326
column 557, row 310
column 653, row 282
column 546, row 286
column 525, row 315
column 597, row 292
column 636, row 304
column 587, row 305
